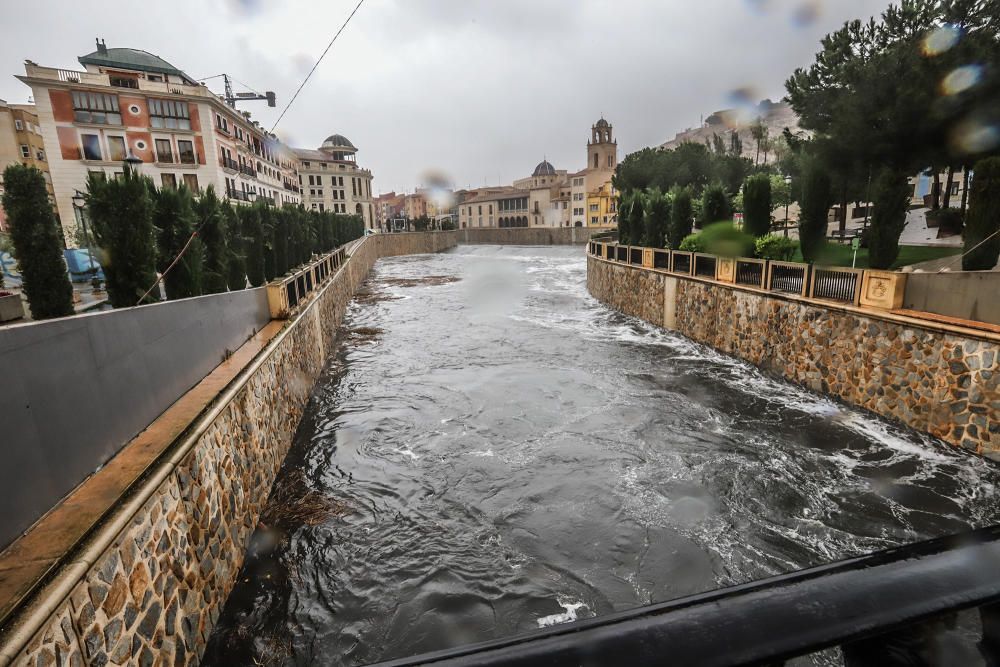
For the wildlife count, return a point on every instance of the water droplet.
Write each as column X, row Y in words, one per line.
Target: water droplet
column 974, row 135
column 941, row 39
column 961, row 79
column 806, row 14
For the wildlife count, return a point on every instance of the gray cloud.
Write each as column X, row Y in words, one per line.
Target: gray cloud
column 478, row 89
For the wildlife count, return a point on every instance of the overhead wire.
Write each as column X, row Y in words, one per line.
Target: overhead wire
column 318, row 61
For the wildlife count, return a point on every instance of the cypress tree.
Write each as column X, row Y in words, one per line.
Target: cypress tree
column 174, row 218
column 657, row 219
column 236, row 242
column 815, row 207
column 37, row 245
column 757, row 205
column 256, row 244
column 890, row 199
column 624, row 205
column 280, row 236
column 121, row 212
column 680, row 216
column 715, row 206
column 983, row 218
column 637, row 218
column 212, row 223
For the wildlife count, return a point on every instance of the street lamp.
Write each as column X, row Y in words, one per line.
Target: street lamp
column 132, row 162
column 80, row 203
column 788, row 198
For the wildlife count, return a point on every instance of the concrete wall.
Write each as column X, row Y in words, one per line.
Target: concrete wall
column 969, row 295
column 925, row 375
column 76, row 389
column 527, row 235
column 153, row 590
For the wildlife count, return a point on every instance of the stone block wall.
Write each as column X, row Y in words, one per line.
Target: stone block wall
column 154, row 594
column 527, row 235
column 923, row 375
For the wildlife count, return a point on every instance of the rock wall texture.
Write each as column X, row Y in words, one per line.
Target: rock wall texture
column 527, row 235
column 926, row 377
column 155, row 593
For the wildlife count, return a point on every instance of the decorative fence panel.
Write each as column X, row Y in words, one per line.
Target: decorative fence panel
column 843, row 285
column 681, row 262
column 788, row 277
column 751, row 272
column 635, row 256
column 661, row 259
column 704, row 265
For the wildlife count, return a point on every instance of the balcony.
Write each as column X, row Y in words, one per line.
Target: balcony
column 228, row 163
column 92, row 79
column 248, row 170
column 267, row 200
column 238, row 195
column 291, row 188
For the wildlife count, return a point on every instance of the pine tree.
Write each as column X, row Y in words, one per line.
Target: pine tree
column 681, row 216
column 890, row 199
column 213, row 234
column 757, row 205
column 982, row 223
column 121, row 212
column 180, row 255
column 815, row 207
column 37, row 245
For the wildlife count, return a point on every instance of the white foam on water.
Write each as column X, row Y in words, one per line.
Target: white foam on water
column 486, row 454
column 565, row 617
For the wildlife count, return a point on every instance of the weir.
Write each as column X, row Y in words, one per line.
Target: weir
column 486, row 436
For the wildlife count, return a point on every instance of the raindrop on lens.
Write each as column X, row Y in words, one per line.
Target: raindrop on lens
column 961, row 79
column 941, row 39
column 974, row 136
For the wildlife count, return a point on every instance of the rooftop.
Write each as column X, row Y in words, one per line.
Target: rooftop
column 134, row 59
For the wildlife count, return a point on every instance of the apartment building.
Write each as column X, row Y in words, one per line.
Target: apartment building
column 331, row 180
column 21, row 143
column 128, row 102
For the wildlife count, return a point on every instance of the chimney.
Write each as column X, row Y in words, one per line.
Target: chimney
column 101, row 47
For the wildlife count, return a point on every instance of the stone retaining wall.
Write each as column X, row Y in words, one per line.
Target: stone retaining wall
column 923, row 375
column 527, row 235
column 153, row 595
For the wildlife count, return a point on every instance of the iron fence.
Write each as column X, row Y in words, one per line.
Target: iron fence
column 842, row 285
column 635, row 256
column 622, row 253
column 704, row 265
column 681, row 262
column 788, row 277
column 751, row 272
column 661, row 259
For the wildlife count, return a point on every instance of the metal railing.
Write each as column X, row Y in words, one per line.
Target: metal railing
column 285, row 294
column 835, row 284
column 681, row 262
column 885, row 608
column 705, row 265
column 238, row 195
column 228, row 163
column 788, row 277
column 635, row 256
column 621, row 253
column 248, row 170
column 661, row 259
column 751, row 272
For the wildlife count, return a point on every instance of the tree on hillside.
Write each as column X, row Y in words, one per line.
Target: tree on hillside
column 179, row 250
column 715, row 206
column 657, row 219
column 982, row 224
column 815, row 207
column 37, row 244
column 890, row 199
column 214, row 232
column 757, row 205
column 759, row 132
column 121, row 213
column 681, row 216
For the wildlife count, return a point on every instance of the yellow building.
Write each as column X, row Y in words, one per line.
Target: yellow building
column 21, row 143
column 602, row 206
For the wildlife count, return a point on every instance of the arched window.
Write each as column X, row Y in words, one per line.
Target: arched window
column 595, row 160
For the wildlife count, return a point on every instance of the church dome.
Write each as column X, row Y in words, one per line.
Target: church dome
column 602, row 123
column 338, row 141
column 544, row 168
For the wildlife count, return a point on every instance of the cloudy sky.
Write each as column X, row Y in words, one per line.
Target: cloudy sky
column 479, row 90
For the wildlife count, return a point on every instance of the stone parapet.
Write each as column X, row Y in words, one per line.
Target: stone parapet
column 930, row 376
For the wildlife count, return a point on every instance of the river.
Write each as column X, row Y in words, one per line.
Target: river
column 490, row 450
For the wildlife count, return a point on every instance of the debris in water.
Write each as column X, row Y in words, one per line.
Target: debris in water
column 416, row 282
column 566, row 617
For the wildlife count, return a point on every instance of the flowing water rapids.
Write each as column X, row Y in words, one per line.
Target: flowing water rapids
column 490, row 450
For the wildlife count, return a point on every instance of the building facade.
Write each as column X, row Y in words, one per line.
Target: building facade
column 131, row 102
column 21, row 143
column 331, row 180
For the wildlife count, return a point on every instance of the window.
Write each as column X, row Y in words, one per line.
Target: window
column 25, row 151
column 191, row 181
column 480, row 211
column 168, row 180
column 594, row 208
column 123, row 82
column 170, row 114
column 116, row 149
column 164, row 151
column 222, row 123
column 311, row 181
column 91, row 146
column 185, row 151
column 18, row 125
column 96, row 108
column 593, row 220
column 320, row 207
column 154, row 77
column 354, row 186
column 40, row 155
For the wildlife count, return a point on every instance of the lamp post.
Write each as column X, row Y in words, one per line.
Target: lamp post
column 131, row 161
column 80, row 204
column 788, row 198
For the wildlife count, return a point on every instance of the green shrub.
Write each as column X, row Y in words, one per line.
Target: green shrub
column 715, row 206
column 692, row 243
column 775, row 247
column 722, row 238
column 447, row 225
column 37, row 245
column 950, row 220
column 657, row 219
column 891, row 198
column 174, row 219
column 214, row 237
column 983, row 219
column 815, row 209
column 680, row 216
column 757, row 205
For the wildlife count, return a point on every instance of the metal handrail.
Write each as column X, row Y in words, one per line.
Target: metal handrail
column 773, row 619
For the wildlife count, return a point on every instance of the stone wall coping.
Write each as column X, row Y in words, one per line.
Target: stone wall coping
column 887, row 316
column 39, row 570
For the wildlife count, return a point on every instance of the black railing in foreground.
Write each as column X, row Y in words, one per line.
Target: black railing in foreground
column 681, row 263
column 704, row 265
column 789, row 278
column 622, row 253
column 836, row 284
column 882, row 609
column 750, row 272
column 635, row 256
column 661, row 259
